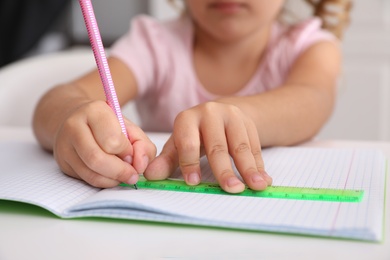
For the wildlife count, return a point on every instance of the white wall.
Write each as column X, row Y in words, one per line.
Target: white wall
column 363, row 110
column 161, row 9
column 113, row 17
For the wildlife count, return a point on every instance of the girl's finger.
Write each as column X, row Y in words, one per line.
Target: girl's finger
column 241, row 148
column 256, row 151
column 108, row 133
column 74, row 167
column 164, row 164
column 97, row 160
column 144, row 149
column 187, row 143
column 217, row 151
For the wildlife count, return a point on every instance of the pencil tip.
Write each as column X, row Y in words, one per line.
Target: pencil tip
column 135, row 186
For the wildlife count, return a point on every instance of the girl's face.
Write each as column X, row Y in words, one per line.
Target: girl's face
column 228, row 20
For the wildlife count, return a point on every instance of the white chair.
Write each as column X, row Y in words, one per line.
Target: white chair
column 22, row 83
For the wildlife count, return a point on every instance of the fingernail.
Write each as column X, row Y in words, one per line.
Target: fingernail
column 233, row 181
column 257, row 178
column 128, row 159
column 193, row 178
column 133, row 179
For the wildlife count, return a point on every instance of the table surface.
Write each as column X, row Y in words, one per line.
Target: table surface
column 29, row 232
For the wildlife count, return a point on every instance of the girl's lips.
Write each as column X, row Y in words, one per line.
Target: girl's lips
column 227, row 7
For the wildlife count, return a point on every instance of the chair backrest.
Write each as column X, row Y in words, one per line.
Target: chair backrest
column 22, row 83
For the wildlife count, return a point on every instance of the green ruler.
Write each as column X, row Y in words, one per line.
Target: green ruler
column 278, row 192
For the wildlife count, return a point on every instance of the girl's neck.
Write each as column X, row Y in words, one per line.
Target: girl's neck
column 237, row 51
column 225, row 67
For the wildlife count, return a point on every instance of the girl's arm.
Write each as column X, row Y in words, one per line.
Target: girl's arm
column 296, row 111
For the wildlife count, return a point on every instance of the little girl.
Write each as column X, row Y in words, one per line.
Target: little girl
column 226, row 78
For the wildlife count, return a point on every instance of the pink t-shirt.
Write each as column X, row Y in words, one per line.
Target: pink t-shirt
column 160, row 56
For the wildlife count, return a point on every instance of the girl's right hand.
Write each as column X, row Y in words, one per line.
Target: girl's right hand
column 90, row 145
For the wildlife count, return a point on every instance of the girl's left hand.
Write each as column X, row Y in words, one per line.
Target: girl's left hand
column 218, row 130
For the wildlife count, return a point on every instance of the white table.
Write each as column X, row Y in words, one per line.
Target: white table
column 28, row 232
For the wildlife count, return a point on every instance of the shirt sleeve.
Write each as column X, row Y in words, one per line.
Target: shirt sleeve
column 138, row 50
column 287, row 45
column 308, row 33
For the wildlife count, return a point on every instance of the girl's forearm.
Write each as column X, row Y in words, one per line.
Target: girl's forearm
column 287, row 115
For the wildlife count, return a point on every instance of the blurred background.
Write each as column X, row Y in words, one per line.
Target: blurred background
column 38, row 27
column 35, row 27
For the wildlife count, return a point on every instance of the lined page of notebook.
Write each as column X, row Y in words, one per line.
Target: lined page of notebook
column 30, row 175
column 303, row 167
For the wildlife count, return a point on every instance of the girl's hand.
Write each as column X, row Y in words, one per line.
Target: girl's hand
column 90, row 146
column 219, row 130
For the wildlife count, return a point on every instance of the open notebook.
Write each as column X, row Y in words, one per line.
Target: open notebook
column 31, row 175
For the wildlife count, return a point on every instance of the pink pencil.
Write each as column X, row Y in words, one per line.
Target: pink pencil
column 101, row 61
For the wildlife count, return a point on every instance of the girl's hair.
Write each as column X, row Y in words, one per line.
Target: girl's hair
column 335, row 14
